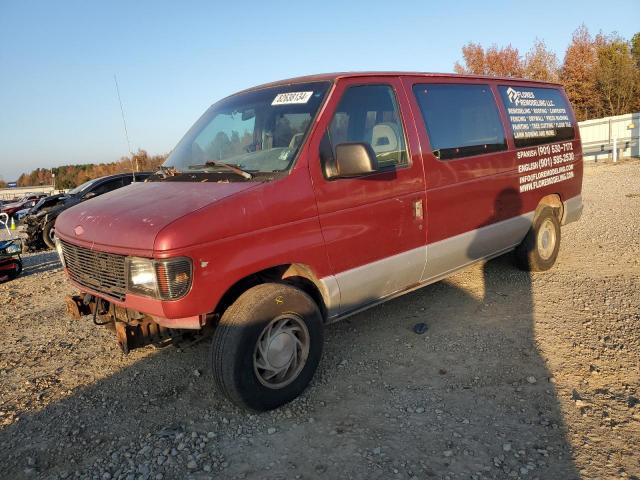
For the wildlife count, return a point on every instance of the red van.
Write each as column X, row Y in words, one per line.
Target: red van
column 294, row 204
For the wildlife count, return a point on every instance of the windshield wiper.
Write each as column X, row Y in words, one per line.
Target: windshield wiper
column 167, row 171
column 232, row 168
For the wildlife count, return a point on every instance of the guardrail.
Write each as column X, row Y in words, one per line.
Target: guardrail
column 611, row 137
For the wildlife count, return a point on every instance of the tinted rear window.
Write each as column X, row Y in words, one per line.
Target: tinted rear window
column 461, row 120
column 537, row 115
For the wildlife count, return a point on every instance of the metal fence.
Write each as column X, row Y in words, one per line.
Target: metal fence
column 611, row 137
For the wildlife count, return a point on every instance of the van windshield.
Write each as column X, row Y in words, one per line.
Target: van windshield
column 255, row 131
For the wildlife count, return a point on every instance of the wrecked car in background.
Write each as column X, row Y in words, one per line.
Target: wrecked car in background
column 28, row 201
column 40, row 220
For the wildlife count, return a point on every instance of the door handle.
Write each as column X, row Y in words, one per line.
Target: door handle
column 418, row 212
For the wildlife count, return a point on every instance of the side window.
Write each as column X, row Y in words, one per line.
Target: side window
column 369, row 114
column 107, row 186
column 462, row 120
column 537, row 115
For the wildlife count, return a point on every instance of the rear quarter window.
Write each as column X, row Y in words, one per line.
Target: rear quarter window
column 537, row 115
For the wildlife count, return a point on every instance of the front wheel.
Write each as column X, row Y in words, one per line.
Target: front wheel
column 267, row 346
column 539, row 249
column 49, row 234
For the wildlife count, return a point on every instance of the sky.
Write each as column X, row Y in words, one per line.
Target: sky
column 58, row 101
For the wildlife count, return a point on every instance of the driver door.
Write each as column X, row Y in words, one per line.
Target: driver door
column 373, row 225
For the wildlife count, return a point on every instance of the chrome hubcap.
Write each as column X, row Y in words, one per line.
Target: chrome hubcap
column 546, row 239
column 281, row 351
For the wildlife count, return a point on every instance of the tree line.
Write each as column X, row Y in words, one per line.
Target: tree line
column 601, row 73
column 69, row 176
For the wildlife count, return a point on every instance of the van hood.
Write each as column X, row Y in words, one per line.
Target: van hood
column 129, row 219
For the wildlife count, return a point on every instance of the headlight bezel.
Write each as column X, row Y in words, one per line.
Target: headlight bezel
column 60, row 251
column 155, row 278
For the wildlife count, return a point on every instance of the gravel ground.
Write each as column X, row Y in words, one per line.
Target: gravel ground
column 518, row 376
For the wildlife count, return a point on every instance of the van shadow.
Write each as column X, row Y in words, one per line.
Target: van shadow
column 471, row 398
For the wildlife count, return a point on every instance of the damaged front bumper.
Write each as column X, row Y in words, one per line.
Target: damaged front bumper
column 134, row 329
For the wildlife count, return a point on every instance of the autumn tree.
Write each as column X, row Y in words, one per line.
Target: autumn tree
column 635, row 52
column 635, row 48
column 498, row 61
column 540, row 63
column 474, row 61
column 142, row 161
column 578, row 74
column 39, row 176
column 69, row 176
column 505, row 61
column 617, row 76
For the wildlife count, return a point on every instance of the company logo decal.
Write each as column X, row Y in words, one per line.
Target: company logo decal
column 78, row 230
column 514, row 95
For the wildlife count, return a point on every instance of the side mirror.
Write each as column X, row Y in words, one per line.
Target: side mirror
column 355, row 159
column 89, row 195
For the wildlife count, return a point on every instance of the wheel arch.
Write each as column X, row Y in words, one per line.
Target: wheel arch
column 296, row 274
column 553, row 201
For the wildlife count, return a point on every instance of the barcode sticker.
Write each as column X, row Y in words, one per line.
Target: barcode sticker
column 291, row 97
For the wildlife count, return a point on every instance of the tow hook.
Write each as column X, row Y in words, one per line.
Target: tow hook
column 133, row 329
column 78, row 306
column 141, row 333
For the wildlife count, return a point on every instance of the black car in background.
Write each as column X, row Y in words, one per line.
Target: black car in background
column 39, row 223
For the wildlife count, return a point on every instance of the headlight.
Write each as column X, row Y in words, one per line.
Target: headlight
column 164, row 279
column 59, row 250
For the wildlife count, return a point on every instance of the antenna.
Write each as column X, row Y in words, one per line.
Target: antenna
column 126, row 133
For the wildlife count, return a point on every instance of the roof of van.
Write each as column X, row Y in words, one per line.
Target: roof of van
column 340, row 75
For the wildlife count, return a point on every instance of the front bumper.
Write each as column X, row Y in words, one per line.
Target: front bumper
column 145, row 306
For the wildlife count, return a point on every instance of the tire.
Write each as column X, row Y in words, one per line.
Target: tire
column 539, row 249
column 237, row 356
column 48, row 233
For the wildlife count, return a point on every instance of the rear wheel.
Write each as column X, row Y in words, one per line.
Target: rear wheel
column 267, row 346
column 49, row 234
column 539, row 249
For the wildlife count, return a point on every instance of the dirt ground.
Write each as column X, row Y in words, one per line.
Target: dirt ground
column 518, row 376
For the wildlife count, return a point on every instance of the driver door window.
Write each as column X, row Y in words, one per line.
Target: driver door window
column 369, row 114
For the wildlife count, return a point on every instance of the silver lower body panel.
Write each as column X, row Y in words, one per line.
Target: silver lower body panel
column 367, row 285
column 572, row 210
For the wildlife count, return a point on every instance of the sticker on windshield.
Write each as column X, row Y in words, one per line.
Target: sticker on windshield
column 291, row 97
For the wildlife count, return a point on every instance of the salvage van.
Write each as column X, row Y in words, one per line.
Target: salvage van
column 294, row 204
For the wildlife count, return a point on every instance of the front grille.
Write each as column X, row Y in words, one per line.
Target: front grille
column 102, row 272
